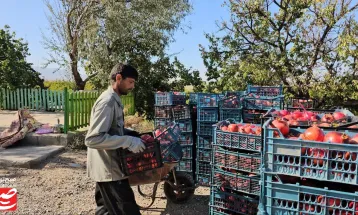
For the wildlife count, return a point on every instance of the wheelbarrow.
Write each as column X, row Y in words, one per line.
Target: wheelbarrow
column 179, row 186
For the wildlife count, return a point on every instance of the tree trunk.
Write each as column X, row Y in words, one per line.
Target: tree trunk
column 80, row 83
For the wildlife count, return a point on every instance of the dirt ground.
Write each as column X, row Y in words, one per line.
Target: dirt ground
column 61, row 186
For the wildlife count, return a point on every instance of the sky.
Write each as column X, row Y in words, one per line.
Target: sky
column 27, row 18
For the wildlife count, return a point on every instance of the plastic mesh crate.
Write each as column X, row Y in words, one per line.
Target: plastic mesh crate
column 263, row 104
column 185, row 165
column 231, row 102
column 163, row 112
column 235, row 114
column 133, row 163
column 233, row 181
column 268, row 91
column 203, row 179
column 208, row 114
column 207, row 100
column 282, row 198
column 204, row 142
column 170, row 98
column 205, row 128
column 229, row 203
column 181, row 112
column 184, row 125
column 159, row 123
column 187, row 152
column 237, row 140
column 310, row 159
column 204, row 155
column 186, row 138
column 237, row 161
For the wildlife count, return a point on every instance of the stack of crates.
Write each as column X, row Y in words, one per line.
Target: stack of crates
column 169, row 107
column 259, row 99
column 207, row 115
column 308, row 177
column 236, row 162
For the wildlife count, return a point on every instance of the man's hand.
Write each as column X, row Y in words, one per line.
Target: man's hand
column 137, row 145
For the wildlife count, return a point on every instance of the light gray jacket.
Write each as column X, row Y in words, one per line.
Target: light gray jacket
column 105, row 135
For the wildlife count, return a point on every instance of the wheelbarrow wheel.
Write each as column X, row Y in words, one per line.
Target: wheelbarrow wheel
column 182, row 191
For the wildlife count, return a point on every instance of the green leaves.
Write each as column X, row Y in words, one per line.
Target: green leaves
column 306, row 45
column 15, row 71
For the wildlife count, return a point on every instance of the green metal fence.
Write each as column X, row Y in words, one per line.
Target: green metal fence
column 76, row 105
column 33, row 99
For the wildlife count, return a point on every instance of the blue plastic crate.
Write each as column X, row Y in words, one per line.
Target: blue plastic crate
column 204, row 154
column 280, row 198
column 237, row 140
column 208, row 114
column 204, row 142
column 186, row 138
column 245, row 162
column 237, row 182
column 263, row 103
column 187, row 152
column 229, row 113
column 267, row 91
column 185, row 165
column 207, row 100
column 311, row 159
column 225, row 203
column 170, row 98
column 205, row 128
column 203, row 168
column 203, row 179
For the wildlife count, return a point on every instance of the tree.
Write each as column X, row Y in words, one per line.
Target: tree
column 137, row 33
column 306, row 45
column 68, row 21
column 15, row 71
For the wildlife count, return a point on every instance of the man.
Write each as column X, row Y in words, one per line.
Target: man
column 105, row 136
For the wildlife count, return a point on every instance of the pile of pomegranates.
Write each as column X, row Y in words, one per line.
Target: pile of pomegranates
column 297, row 117
column 242, row 128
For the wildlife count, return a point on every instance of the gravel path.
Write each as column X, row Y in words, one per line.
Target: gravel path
column 61, row 186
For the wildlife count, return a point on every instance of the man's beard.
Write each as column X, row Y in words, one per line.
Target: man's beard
column 124, row 92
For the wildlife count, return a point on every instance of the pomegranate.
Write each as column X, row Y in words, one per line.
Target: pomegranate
column 339, row 116
column 327, row 118
column 157, row 132
column 282, row 126
column 313, row 134
column 336, row 137
column 247, row 129
column 303, row 118
column 147, row 138
column 224, row 128
column 284, row 112
column 354, row 139
column 296, row 114
column 233, row 128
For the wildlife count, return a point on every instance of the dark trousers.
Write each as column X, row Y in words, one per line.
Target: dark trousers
column 115, row 198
